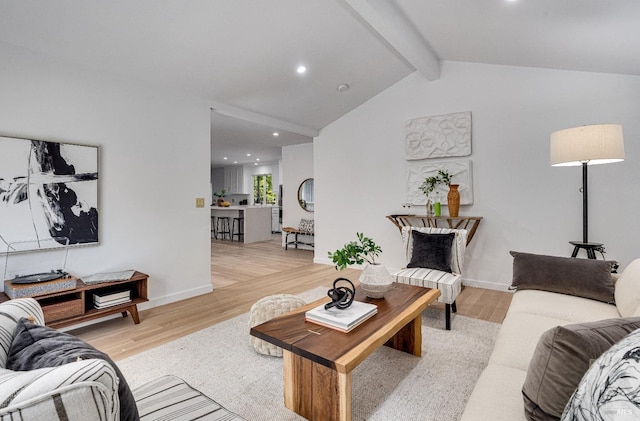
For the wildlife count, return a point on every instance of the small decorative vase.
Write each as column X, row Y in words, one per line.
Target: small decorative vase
column 453, row 200
column 220, row 201
column 375, row 280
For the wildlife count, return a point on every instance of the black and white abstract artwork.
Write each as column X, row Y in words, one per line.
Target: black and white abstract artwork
column 48, row 194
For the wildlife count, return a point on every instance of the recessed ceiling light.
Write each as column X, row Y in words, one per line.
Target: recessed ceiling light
column 248, row 154
column 276, row 134
column 235, row 162
column 257, row 159
column 255, row 163
column 225, row 157
column 343, row 87
column 301, row 69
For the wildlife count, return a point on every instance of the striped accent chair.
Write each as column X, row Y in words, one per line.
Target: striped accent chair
column 83, row 390
column 87, row 389
column 449, row 284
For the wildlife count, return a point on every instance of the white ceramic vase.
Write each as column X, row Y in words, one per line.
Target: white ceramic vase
column 375, row 280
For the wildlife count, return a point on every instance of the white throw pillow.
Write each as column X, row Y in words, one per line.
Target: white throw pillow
column 627, row 290
column 610, row 389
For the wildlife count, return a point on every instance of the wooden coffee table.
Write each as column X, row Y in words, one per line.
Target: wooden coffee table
column 318, row 361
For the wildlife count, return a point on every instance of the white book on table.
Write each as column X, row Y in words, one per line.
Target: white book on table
column 344, row 320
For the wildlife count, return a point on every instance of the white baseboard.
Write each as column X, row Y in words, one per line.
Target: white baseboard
column 182, row 295
column 323, row 261
column 485, row 285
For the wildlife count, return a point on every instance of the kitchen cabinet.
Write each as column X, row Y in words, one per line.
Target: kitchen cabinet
column 234, row 180
column 217, row 180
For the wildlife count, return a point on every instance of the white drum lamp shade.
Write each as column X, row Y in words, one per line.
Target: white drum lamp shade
column 595, row 144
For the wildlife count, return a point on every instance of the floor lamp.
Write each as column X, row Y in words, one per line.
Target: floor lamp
column 587, row 145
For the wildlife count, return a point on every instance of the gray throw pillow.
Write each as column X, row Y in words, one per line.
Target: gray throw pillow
column 36, row 346
column 610, row 390
column 431, row 251
column 562, row 357
column 587, row 278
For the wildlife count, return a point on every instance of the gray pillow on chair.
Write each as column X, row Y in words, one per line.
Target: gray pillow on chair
column 432, row 251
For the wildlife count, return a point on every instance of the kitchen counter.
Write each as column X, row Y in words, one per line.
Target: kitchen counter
column 257, row 220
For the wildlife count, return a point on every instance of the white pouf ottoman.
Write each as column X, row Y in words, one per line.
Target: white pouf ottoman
column 266, row 309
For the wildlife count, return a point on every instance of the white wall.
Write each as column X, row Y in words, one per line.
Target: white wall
column 297, row 166
column 527, row 205
column 154, row 162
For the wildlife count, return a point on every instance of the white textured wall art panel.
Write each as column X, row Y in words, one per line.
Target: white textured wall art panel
column 418, row 171
column 439, row 136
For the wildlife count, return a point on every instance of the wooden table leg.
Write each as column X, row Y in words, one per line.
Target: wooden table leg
column 409, row 338
column 314, row 391
column 134, row 313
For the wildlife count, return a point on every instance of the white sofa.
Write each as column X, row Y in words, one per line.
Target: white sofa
column 497, row 395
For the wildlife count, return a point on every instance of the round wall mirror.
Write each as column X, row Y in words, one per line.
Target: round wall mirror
column 305, row 195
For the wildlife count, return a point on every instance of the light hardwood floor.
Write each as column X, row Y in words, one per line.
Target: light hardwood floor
column 241, row 275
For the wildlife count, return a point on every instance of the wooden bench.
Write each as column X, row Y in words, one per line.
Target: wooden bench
column 306, row 227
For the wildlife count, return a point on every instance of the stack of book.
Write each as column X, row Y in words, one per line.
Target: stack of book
column 343, row 320
column 104, row 300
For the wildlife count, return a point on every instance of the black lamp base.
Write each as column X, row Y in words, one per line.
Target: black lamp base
column 591, row 248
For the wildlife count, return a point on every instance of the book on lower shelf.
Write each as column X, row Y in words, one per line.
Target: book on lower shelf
column 343, row 320
column 108, row 299
column 112, row 303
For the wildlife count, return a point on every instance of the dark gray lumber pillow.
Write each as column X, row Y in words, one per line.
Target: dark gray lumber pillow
column 587, row 278
column 562, row 357
column 36, row 346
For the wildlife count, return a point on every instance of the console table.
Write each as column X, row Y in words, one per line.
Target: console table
column 469, row 223
column 64, row 308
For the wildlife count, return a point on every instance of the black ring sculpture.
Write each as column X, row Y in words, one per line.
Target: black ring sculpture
column 341, row 297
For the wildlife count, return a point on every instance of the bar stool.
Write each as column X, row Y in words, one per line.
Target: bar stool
column 223, row 227
column 238, row 231
column 214, row 229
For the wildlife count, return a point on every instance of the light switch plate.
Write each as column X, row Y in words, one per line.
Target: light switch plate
column 199, row 202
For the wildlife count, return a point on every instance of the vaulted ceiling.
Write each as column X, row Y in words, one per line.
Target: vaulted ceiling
column 242, row 55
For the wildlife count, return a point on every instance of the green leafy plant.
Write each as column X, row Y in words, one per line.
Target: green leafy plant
column 356, row 252
column 430, row 183
column 220, row 195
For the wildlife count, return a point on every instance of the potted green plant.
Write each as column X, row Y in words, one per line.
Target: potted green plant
column 374, row 279
column 430, row 183
column 453, row 197
column 220, row 197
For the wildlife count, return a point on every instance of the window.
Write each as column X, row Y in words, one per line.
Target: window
column 263, row 189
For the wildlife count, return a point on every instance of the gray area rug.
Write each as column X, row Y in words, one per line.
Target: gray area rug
column 389, row 385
